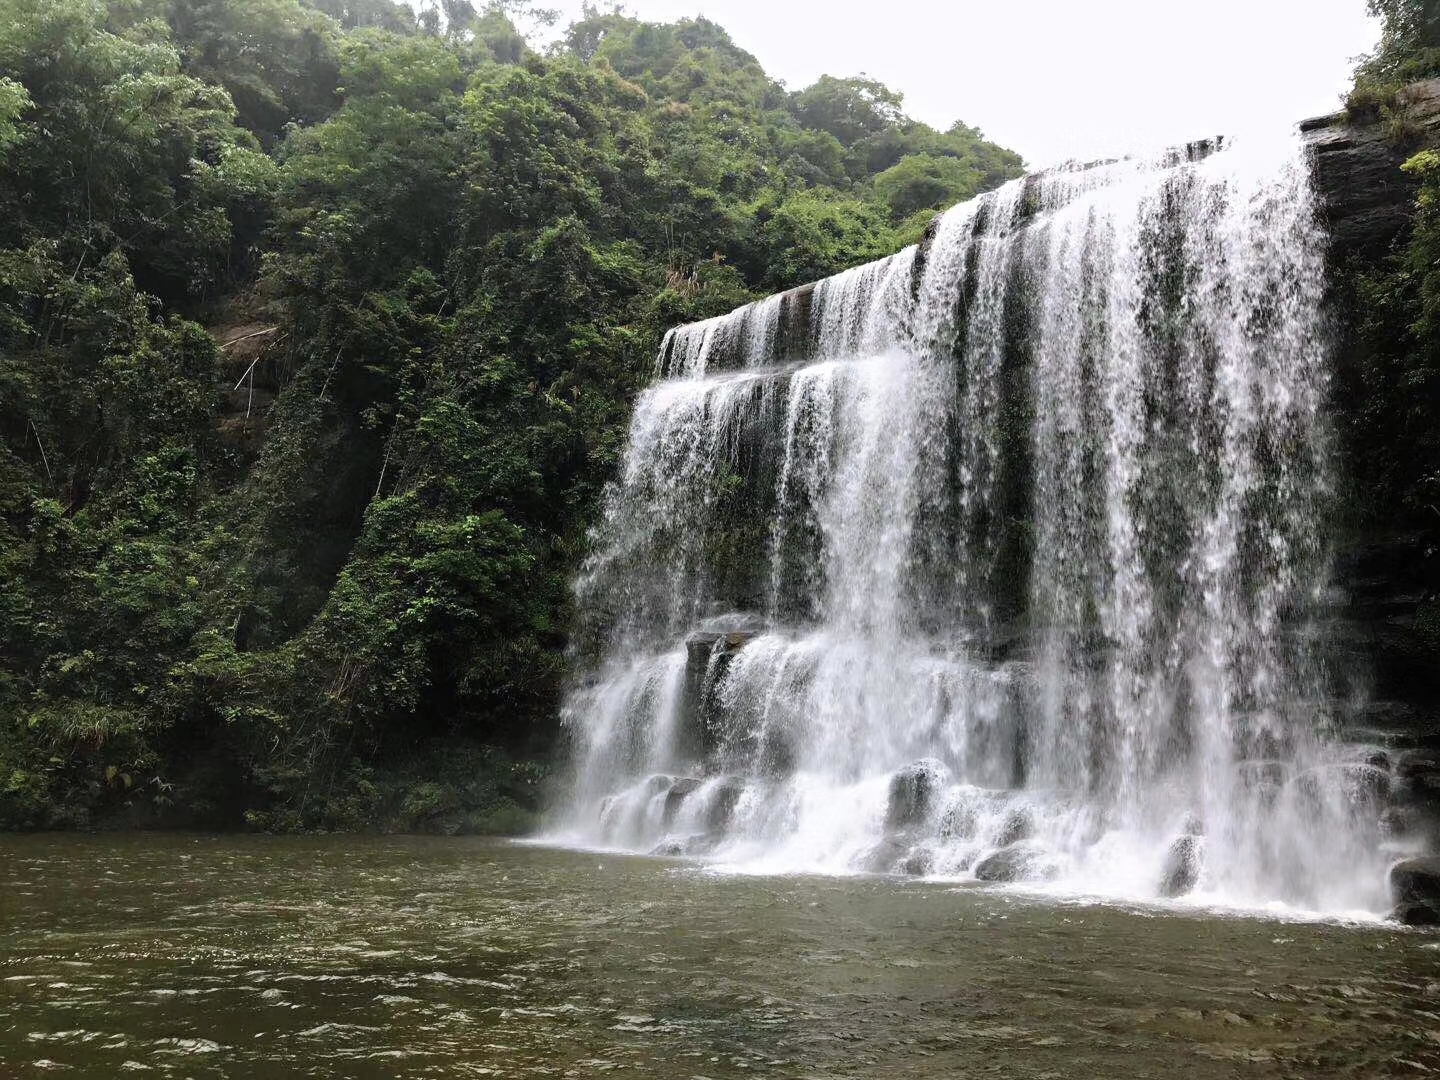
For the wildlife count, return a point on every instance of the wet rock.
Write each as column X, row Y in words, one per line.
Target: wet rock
column 670, row 849
column 1416, row 915
column 608, row 810
column 1019, row 825
column 703, row 843
column 1415, row 890
column 696, row 726
column 960, row 822
column 1183, row 863
column 1262, row 773
column 1400, row 822
column 701, row 645
column 680, row 790
column 1380, row 723
column 914, row 793
column 776, row 757
column 1361, row 787
column 895, row 855
column 708, row 655
column 1365, row 198
column 722, row 804
column 1418, row 772
column 958, row 864
column 1264, row 779
column 884, row 856
column 1417, row 763
column 1019, row 862
column 918, row 863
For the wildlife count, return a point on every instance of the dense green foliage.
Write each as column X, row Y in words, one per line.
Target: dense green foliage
column 319, row 326
column 1409, row 49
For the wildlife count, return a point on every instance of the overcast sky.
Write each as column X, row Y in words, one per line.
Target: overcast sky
column 1062, row 78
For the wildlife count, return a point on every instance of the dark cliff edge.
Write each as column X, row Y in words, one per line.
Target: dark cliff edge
column 1384, row 568
column 1366, row 200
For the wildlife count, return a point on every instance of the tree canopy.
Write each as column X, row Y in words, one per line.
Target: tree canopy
column 319, row 327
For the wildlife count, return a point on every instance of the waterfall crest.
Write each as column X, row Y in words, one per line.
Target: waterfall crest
column 996, row 558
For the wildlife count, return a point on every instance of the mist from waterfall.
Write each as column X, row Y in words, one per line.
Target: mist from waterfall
column 997, row 558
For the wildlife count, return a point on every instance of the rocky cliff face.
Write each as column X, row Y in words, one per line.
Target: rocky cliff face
column 1367, row 199
column 1383, row 570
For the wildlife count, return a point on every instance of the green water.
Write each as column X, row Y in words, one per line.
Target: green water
column 241, row 957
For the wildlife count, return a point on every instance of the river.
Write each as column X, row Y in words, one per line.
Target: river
column 241, row 957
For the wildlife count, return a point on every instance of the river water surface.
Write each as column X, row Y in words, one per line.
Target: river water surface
column 245, row 957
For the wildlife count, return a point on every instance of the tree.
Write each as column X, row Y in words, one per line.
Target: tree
column 120, row 149
column 1409, row 46
column 276, row 58
column 13, row 101
column 440, row 264
column 809, row 234
column 926, row 182
column 849, row 109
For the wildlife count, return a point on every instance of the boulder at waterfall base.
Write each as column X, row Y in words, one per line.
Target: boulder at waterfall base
column 1415, row 890
column 1018, row 862
column 1183, row 863
column 913, row 793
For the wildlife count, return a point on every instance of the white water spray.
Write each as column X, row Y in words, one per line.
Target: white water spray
column 994, row 558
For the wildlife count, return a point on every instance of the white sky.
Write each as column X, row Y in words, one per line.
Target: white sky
column 1061, row 78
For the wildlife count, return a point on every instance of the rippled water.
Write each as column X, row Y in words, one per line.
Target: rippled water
column 348, row 957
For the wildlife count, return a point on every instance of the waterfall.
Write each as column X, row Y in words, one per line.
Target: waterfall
column 997, row 558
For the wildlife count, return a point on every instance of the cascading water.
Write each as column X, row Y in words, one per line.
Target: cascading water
column 994, row 558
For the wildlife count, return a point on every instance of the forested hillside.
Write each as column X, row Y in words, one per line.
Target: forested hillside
column 319, row 326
